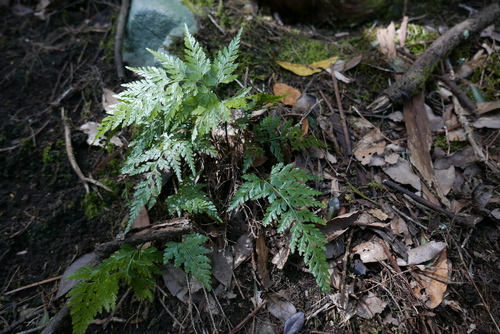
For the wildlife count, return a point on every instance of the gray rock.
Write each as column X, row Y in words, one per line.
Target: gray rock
column 152, row 24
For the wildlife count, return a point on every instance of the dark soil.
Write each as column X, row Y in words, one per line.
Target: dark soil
column 47, row 220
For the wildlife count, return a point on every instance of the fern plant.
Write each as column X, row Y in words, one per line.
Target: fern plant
column 99, row 287
column 135, row 268
column 174, row 109
column 288, row 198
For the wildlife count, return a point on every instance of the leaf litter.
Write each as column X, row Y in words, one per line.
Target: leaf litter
column 405, row 154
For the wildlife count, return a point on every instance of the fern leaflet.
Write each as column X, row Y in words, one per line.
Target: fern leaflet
column 191, row 254
column 190, row 198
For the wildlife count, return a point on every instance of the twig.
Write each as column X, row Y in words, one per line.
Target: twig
column 117, row 307
column 212, row 19
column 32, row 285
column 120, row 28
column 343, row 120
column 33, row 134
column 72, row 160
column 250, row 316
column 23, row 319
column 177, row 322
column 418, row 73
column 478, row 151
column 429, row 204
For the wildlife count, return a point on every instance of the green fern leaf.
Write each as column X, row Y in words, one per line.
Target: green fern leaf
column 191, row 255
column 224, row 64
column 286, row 194
column 190, row 198
column 196, row 59
column 99, row 289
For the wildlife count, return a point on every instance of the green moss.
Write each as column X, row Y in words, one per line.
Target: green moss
column 92, row 205
column 440, row 141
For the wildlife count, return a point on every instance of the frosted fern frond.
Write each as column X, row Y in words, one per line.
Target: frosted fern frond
column 192, row 256
column 196, row 59
column 190, row 198
column 99, row 286
column 224, row 64
column 287, row 194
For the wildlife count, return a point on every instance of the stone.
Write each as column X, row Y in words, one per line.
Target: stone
column 152, row 24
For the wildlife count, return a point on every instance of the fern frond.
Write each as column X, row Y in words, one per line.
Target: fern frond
column 190, row 198
column 224, row 64
column 191, row 255
column 196, row 59
column 310, row 242
column 98, row 289
column 286, row 195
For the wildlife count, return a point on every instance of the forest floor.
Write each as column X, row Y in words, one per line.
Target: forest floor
column 47, row 219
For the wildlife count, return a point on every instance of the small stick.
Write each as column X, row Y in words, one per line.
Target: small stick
column 212, row 19
column 341, row 112
column 72, row 160
column 428, row 204
column 32, row 285
column 120, row 29
column 251, row 315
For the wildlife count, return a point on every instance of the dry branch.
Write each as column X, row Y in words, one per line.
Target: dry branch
column 420, row 71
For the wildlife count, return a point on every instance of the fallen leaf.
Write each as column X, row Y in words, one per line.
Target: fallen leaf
column 402, row 172
column 291, row 93
column 484, row 107
column 294, row 324
column 372, row 143
column 279, row 306
column 222, row 266
column 242, row 250
column 176, row 281
column 490, row 122
column 302, row 70
column 67, row 284
column 369, row 306
column 370, row 251
column 109, row 100
column 422, row 253
column 435, row 288
column 91, row 129
column 262, row 259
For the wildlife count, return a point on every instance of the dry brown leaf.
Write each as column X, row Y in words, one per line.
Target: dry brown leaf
column 279, row 306
column 402, row 172
column 109, row 100
column 242, row 250
column 484, row 107
column 435, row 288
column 262, row 258
column 371, row 251
column 423, row 253
column 369, row 306
column 372, row 143
column 222, row 266
column 291, row 93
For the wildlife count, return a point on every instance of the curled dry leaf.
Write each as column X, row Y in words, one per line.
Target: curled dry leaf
column 434, row 280
column 242, row 250
column 222, row 266
column 422, row 253
column 371, row 251
column 372, row 143
column 402, row 172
